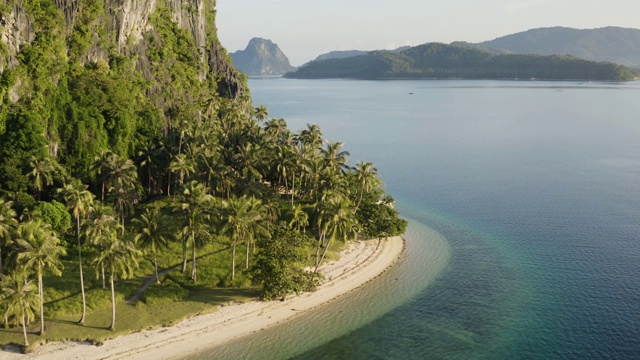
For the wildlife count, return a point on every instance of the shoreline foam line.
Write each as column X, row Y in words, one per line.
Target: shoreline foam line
column 361, row 262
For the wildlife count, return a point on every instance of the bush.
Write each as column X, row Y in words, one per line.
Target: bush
column 380, row 219
column 55, row 214
column 278, row 266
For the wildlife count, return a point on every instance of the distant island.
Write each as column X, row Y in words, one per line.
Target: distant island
column 611, row 44
column 441, row 61
column 261, row 57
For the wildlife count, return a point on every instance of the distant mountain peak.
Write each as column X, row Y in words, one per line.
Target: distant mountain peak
column 261, row 57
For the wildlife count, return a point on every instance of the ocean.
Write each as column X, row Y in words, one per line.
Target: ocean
column 523, row 199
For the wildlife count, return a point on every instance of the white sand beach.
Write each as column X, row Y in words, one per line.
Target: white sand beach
column 361, row 262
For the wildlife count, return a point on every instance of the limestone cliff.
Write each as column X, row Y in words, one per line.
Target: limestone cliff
column 98, row 29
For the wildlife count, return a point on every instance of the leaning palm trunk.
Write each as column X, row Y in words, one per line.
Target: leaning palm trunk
column 24, row 330
column 315, row 271
column 155, row 263
column 320, row 243
column 359, row 199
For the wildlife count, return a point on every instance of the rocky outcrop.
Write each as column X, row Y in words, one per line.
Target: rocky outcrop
column 17, row 30
column 261, row 57
column 230, row 82
column 124, row 26
column 129, row 19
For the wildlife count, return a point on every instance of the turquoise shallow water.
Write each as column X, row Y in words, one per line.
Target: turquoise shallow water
column 523, row 199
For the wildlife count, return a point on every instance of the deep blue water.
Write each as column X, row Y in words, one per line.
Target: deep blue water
column 534, row 189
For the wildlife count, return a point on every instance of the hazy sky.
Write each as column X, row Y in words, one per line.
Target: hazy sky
column 304, row 29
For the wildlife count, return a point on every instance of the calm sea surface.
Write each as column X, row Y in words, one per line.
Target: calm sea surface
column 524, row 206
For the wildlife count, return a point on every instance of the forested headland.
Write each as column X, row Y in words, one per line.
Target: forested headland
column 140, row 185
column 460, row 61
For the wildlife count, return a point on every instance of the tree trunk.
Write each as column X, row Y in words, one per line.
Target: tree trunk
column 155, row 263
column 320, row 243
column 315, row 271
column 184, row 254
column 233, row 260
column 193, row 261
column 286, row 185
column 113, row 304
column 84, row 299
column 169, row 184
column 104, row 285
column 41, row 295
column 359, row 200
column 24, row 330
column 293, row 186
column 246, row 259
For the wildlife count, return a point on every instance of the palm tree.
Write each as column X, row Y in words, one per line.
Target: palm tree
column 151, row 234
column 120, row 258
column 299, row 219
column 275, row 129
column 19, row 292
column 261, row 113
column 365, row 174
column 101, row 167
column 250, row 160
column 286, row 165
column 311, row 136
column 8, row 224
column 148, row 157
column 103, row 220
column 39, row 248
column 333, row 157
column 182, row 165
column 122, row 179
column 337, row 220
column 42, row 173
column 243, row 221
column 80, row 202
column 301, row 158
column 197, row 206
column 126, row 196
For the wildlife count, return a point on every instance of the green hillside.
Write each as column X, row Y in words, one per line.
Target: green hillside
column 612, row 44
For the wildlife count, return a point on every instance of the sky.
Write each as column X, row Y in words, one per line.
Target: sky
column 304, row 29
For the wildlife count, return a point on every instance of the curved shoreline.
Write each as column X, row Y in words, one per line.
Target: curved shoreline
column 363, row 261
